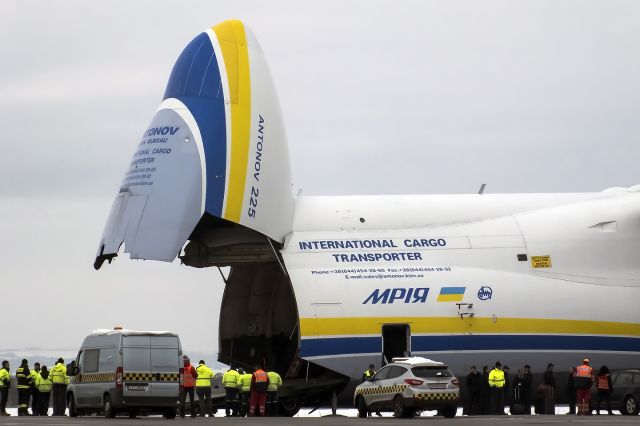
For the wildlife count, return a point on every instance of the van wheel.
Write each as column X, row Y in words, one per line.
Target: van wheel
column 630, row 406
column 73, row 412
column 107, row 408
column 169, row 413
column 398, row 406
column 450, row 411
column 362, row 408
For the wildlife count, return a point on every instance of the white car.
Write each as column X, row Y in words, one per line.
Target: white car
column 407, row 385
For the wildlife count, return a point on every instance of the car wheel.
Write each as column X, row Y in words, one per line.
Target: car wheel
column 107, row 408
column 73, row 412
column 398, row 406
column 362, row 407
column 630, row 406
column 169, row 413
column 450, row 411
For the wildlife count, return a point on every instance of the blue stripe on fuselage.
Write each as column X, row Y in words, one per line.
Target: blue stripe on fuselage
column 358, row 345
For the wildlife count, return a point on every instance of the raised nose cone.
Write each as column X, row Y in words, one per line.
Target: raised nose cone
column 215, row 153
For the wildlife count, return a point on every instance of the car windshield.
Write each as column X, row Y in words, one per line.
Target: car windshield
column 430, row 372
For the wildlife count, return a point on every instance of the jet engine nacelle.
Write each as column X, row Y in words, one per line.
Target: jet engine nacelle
column 215, row 154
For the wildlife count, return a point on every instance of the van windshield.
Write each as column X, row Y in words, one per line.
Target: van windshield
column 431, row 372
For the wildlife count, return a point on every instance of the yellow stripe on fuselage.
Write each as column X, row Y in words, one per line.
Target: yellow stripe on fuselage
column 445, row 325
column 233, row 42
column 450, row 297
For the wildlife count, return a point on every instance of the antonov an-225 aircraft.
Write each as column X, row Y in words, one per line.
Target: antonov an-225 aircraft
column 322, row 286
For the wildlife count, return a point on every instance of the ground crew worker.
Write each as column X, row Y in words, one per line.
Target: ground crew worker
column 527, row 389
column 23, row 376
column 33, row 377
column 60, row 381
column 367, row 376
column 496, row 383
column 474, row 385
column 43, row 386
column 549, row 382
column 189, row 377
column 259, row 386
column 245, row 392
column 583, row 380
column 605, row 388
column 203, row 388
column 571, row 391
column 485, row 391
column 230, row 385
column 275, row 381
column 5, row 384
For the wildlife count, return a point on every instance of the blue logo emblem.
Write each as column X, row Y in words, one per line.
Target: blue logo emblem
column 485, row 293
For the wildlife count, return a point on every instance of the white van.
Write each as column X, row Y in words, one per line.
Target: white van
column 126, row 371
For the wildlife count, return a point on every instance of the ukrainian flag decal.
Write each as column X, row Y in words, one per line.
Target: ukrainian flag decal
column 451, row 294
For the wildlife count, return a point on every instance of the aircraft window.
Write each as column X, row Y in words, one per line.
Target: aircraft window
column 430, row 372
column 383, row 373
column 396, row 371
column 91, row 357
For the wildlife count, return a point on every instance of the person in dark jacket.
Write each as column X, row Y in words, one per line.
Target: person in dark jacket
column 516, row 406
column 549, row 382
column 571, row 391
column 485, row 391
column 605, row 387
column 507, row 388
column 474, row 388
column 526, row 390
column 23, row 377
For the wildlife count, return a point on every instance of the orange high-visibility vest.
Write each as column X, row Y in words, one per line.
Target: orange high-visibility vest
column 260, row 376
column 583, row 371
column 603, row 382
column 189, row 380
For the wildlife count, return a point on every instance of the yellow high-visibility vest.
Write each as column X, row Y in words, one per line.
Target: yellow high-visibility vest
column 496, row 378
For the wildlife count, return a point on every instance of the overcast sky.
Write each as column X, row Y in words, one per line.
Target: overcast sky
column 377, row 97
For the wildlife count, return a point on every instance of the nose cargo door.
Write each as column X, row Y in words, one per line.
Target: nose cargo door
column 214, row 158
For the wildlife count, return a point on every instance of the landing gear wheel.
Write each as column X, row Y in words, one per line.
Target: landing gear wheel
column 289, row 408
column 362, row 408
column 450, row 412
column 399, row 409
column 72, row 406
column 630, row 406
column 107, row 408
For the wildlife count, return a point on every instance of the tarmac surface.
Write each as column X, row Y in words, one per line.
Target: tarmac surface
column 327, row 420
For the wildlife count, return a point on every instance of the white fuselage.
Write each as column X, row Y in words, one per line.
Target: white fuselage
column 520, row 278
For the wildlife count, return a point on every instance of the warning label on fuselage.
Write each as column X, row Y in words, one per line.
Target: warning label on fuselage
column 541, row 261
